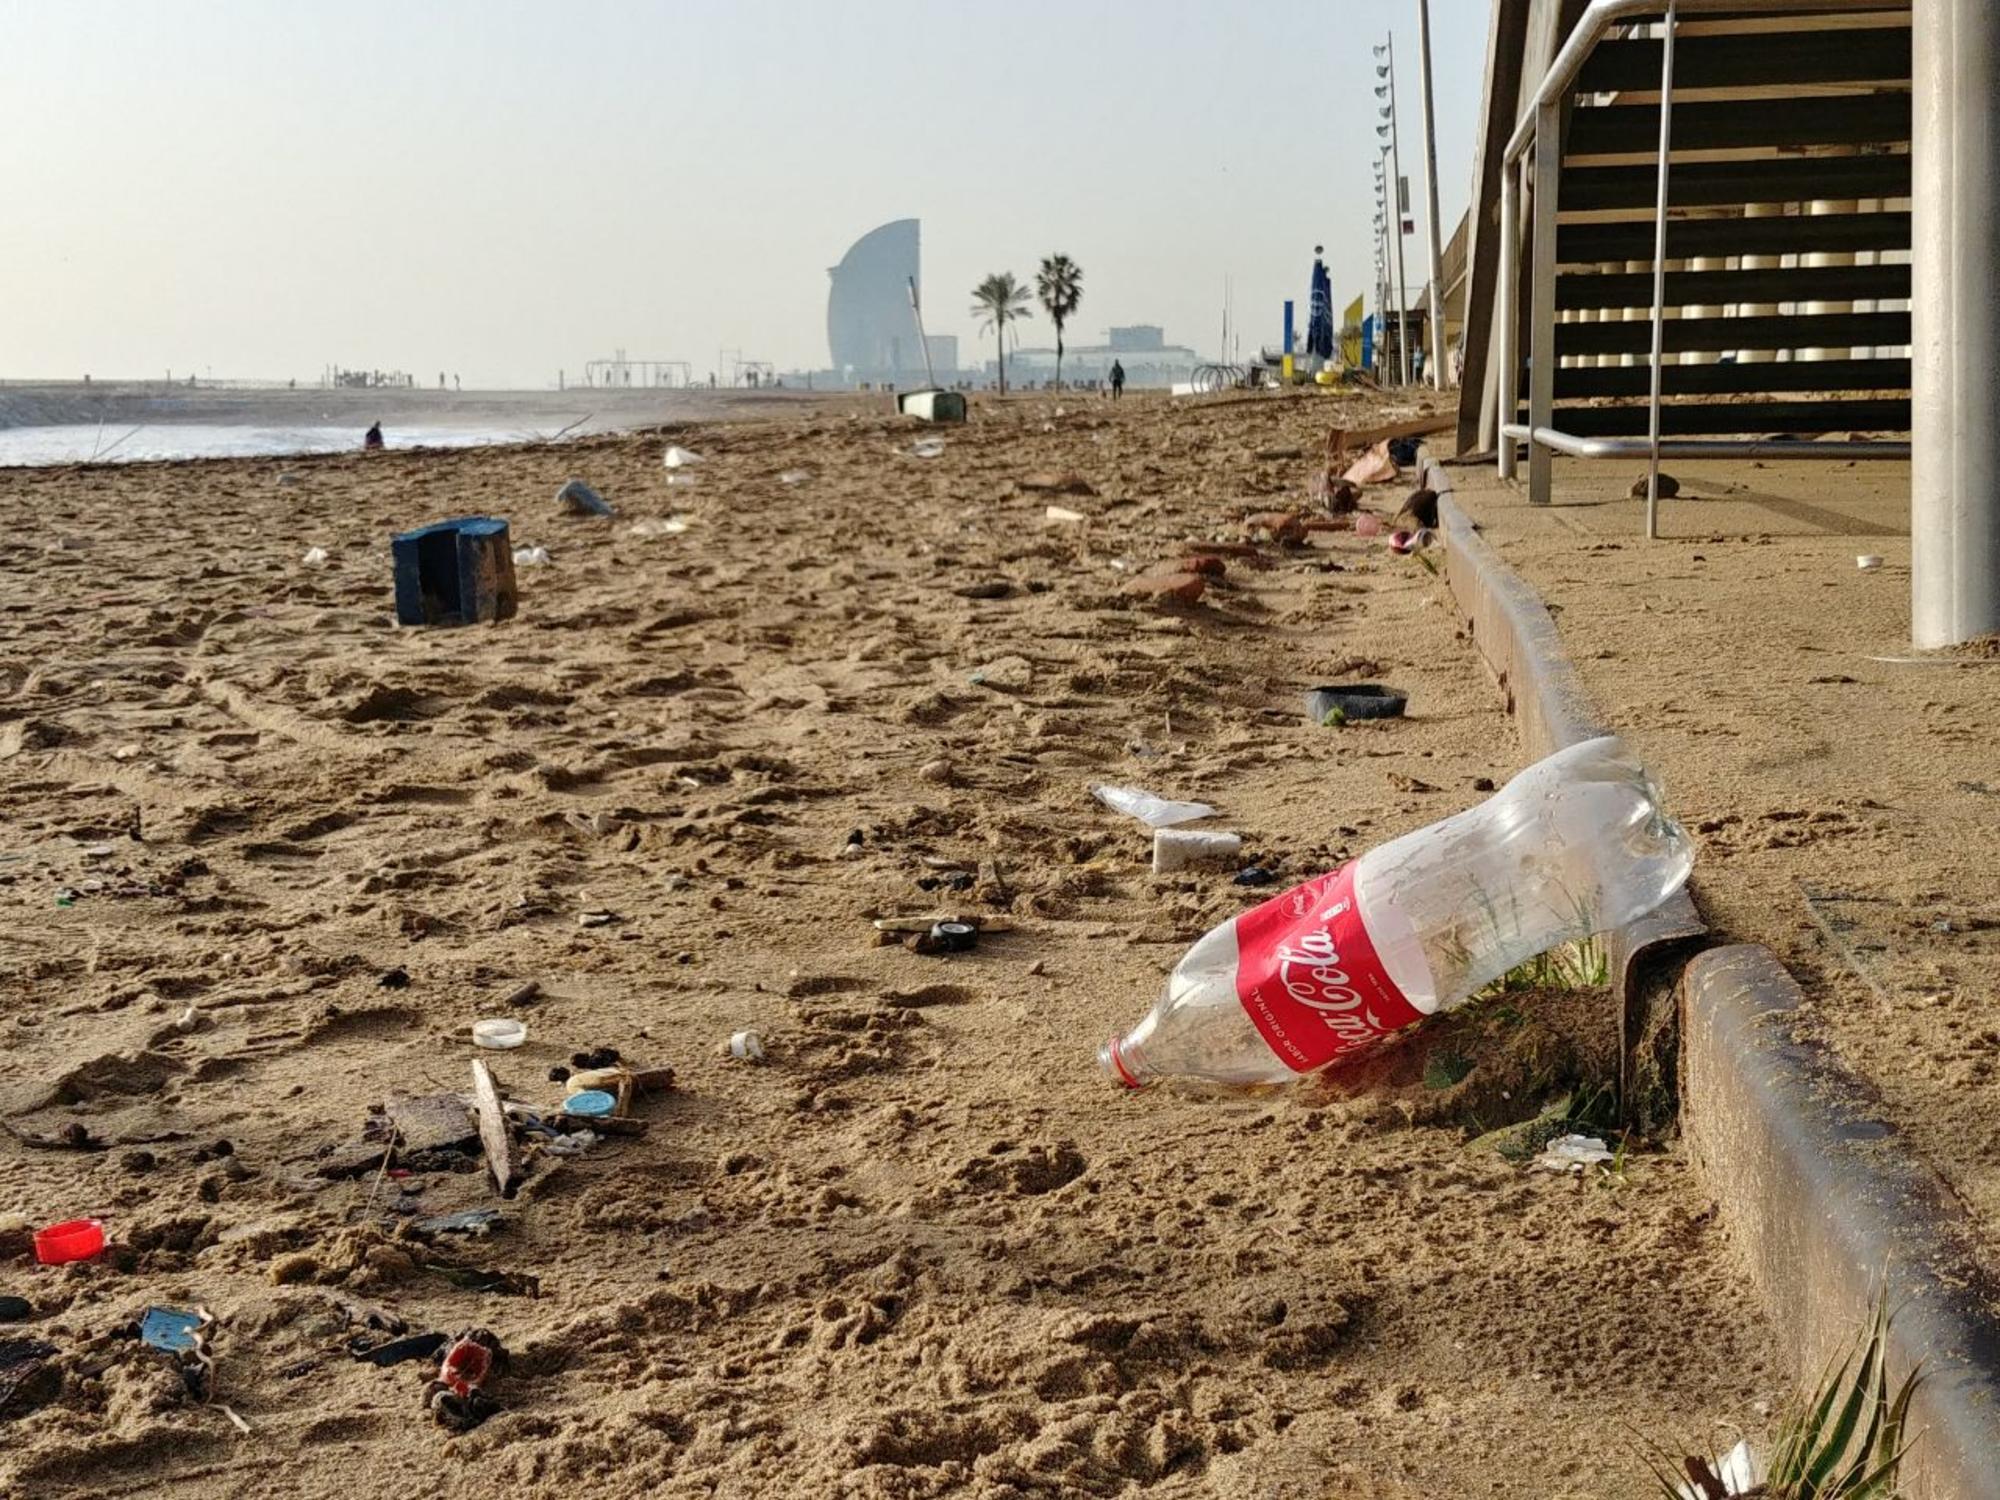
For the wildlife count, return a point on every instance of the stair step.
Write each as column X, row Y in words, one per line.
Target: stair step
column 1783, row 179
column 1854, row 120
column 1874, row 54
column 1622, row 289
column 1804, row 331
column 1735, row 379
column 1687, row 238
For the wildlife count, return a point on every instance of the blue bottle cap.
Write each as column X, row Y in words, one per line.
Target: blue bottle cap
column 590, row 1104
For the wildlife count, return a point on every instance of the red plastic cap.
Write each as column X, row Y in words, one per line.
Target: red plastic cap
column 75, row 1239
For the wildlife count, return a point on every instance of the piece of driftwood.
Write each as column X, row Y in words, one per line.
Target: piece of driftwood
column 495, row 1134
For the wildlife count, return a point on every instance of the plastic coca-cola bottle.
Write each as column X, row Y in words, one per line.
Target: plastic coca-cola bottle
column 1575, row 844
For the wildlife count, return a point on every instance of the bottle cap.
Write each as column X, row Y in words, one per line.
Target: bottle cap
column 499, row 1034
column 73, row 1239
column 591, row 1104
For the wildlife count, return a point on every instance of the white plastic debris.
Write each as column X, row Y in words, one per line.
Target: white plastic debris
column 579, row 499
column 671, row 526
column 793, row 477
column 1572, row 1153
column 1154, row 812
column 678, row 457
column 1868, row 562
column 574, row 1144
column 746, row 1046
column 1178, row 848
column 499, row 1034
column 927, row 448
column 531, row 557
column 316, row 557
column 1738, row 1470
column 1062, row 513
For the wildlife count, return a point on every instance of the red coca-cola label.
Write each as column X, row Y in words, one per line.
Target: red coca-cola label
column 1309, row 978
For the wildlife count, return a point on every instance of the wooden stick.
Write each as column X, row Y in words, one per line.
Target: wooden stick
column 494, row 1132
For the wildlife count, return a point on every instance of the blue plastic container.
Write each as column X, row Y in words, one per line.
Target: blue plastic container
column 455, row 573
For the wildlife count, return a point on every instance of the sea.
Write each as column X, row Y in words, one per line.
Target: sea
column 79, row 443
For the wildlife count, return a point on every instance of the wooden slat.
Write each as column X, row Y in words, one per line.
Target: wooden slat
column 1735, row 379
column 1812, row 331
column 1803, row 417
column 1852, row 120
column 1880, row 54
column 1784, row 179
column 1620, row 289
column 1686, row 238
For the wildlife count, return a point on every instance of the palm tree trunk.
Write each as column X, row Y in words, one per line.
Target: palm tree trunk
column 1058, row 356
column 1000, row 338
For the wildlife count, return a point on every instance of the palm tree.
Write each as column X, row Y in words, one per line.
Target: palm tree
column 996, row 302
column 1060, row 286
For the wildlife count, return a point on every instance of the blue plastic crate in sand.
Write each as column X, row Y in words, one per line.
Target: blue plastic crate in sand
column 455, row 573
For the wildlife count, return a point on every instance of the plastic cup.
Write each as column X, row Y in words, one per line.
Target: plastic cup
column 73, row 1239
column 501, row 1034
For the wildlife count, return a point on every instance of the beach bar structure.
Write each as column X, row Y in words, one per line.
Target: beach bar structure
column 1718, row 229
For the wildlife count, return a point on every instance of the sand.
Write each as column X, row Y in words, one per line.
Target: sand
column 923, row 1248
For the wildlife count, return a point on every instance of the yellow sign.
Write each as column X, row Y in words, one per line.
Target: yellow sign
column 1350, row 335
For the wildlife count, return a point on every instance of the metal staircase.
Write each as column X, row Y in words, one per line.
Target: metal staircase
column 1767, row 310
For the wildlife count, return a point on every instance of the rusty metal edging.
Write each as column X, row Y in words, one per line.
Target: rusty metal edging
column 1831, row 1212
column 1517, row 636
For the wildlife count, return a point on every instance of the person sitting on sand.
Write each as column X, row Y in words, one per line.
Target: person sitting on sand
column 1117, row 380
column 373, row 438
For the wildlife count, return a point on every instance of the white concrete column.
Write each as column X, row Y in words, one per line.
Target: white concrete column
column 1955, row 465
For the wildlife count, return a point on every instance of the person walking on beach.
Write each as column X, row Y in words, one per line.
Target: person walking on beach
column 372, row 439
column 1117, row 380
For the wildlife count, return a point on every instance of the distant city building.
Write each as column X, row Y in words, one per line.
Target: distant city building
column 1142, row 348
column 870, row 330
column 1137, row 337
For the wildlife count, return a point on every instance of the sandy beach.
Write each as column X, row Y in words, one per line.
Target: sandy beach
column 270, row 856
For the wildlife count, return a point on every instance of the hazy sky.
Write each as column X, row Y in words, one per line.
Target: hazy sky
column 261, row 187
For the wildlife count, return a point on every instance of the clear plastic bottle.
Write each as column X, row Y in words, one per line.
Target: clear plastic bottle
column 1576, row 844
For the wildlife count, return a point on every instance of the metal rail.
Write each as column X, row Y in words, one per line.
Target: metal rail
column 1539, row 126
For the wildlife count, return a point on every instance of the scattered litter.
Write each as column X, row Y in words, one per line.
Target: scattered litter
column 455, row 573
column 652, row 526
column 1336, row 705
column 574, row 1144
column 1254, row 875
column 579, row 499
column 1403, row 543
column 1868, row 562
column 316, row 557
column 499, row 1033
column 947, row 937
column 596, row 918
column 97, row 851
column 73, row 1239
column 792, row 477
column 927, row 448
column 1373, row 467
column 398, row 1351
column 1178, row 848
column 1402, row 451
column 169, row 1329
column 1367, row 523
column 474, row 1221
column 746, row 1046
column 531, row 557
column 1572, row 1153
column 1736, row 1471
column 1063, row 514
column 496, row 1136
column 590, row 1104
column 28, row 1381
column 457, row 1398
column 677, row 457
column 1154, row 812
